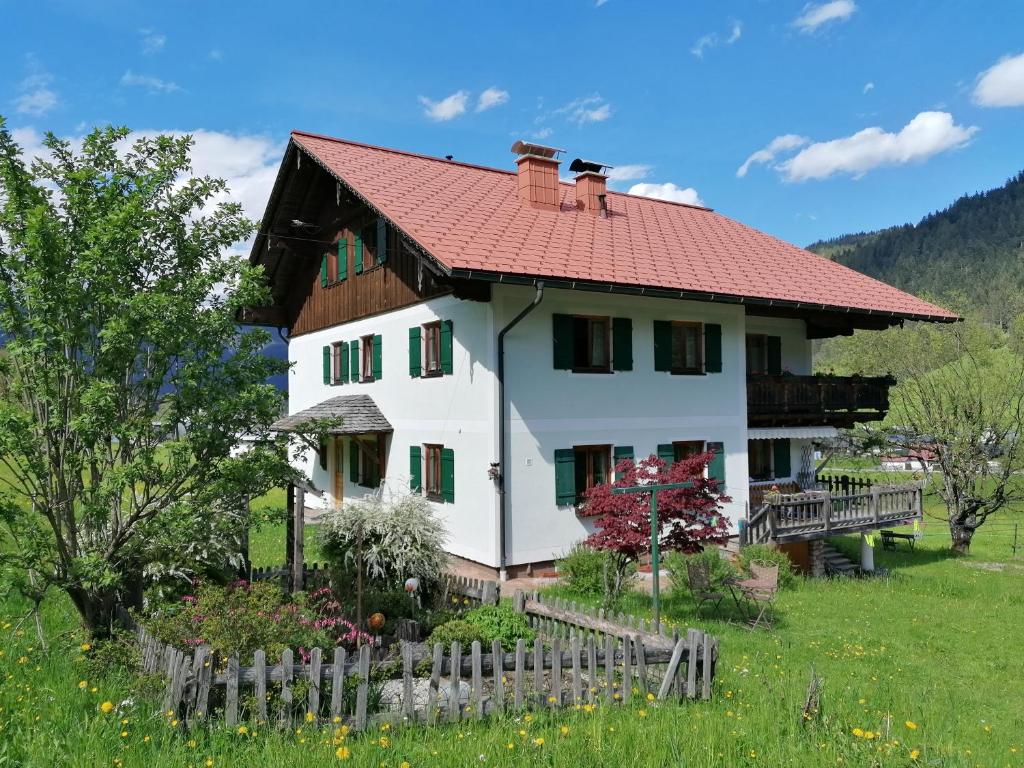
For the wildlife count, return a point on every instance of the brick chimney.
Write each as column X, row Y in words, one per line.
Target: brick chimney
column 591, row 186
column 538, row 174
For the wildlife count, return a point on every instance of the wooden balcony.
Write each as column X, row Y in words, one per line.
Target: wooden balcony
column 816, row 514
column 835, row 401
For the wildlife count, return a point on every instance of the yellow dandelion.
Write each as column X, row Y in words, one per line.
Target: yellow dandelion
column 642, row 713
column 857, row 732
column 564, row 730
column 242, row 730
column 85, row 647
column 384, row 742
column 310, row 717
column 539, row 741
column 869, row 734
column 914, row 754
column 404, row 764
column 146, row 739
column 191, row 743
column 124, row 734
column 911, row 725
column 650, row 697
column 342, row 753
column 83, row 684
column 209, row 762
column 385, row 726
column 107, row 707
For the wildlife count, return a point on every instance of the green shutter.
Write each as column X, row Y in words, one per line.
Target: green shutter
column 323, row 271
column 662, row 345
column 342, row 259
column 343, row 352
column 382, row 240
column 359, row 254
column 353, row 368
column 622, row 344
column 712, row 348
column 327, row 365
column 378, row 358
column 448, row 475
column 621, row 453
column 565, row 476
column 774, row 355
column 415, row 468
column 415, row 353
column 716, row 467
column 667, row 453
column 447, row 365
column 783, row 464
column 563, row 342
column 353, row 462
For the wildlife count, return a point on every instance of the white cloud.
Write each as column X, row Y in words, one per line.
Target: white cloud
column 703, row 43
column 447, row 108
column 1002, row 84
column 586, row 109
column 629, row 172
column 216, row 54
column 152, row 42
column 543, row 133
column 599, row 3
column 778, row 144
column 492, row 97
column 928, row 134
column 712, row 39
column 152, row 84
column 667, row 191
column 868, row 87
column 36, row 96
column 814, row 16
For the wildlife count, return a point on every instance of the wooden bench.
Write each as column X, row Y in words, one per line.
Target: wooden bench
column 890, row 539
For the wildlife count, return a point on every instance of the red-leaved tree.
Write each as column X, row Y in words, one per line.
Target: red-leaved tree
column 688, row 518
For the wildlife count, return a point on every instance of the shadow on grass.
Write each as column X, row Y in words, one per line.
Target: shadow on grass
column 895, row 559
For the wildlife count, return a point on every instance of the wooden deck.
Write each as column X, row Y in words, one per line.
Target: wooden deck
column 818, row 514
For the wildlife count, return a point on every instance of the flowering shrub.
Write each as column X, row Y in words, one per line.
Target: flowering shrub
column 485, row 623
column 243, row 617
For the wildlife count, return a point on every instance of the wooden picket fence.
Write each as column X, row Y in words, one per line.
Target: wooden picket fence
column 585, row 658
column 473, row 591
column 314, row 574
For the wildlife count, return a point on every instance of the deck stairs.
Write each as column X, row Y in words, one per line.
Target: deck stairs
column 838, row 564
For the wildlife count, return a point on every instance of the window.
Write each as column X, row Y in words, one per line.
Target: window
column 432, row 349
column 366, row 364
column 687, row 351
column 432, row 470
column 368, row 240
column 591, row 344
column 687, row 449
column 757, row 354
column 366, row 461
column 339, row 357
column 759, row 456
column 593, row 467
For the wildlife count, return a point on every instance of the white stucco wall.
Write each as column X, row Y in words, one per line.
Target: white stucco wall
column 551, row 409
column 454, row 410
column 548, row 409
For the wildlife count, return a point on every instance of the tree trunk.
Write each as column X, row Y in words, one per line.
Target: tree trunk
column 96, row 609
column 961, row 535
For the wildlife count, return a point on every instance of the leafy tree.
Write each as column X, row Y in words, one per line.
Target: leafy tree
column 960, row 390
column 124, row 379
column 688, row 518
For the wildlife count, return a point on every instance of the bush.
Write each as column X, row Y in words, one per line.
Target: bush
column 762, row 554
column 588, row 571
column 486, row 624
column 400, row 537
column 582, row 570
column 721, row 569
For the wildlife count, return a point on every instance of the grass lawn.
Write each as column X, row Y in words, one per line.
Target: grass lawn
column 938, row 645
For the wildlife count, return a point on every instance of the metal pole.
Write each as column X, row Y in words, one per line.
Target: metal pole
column 655, row 592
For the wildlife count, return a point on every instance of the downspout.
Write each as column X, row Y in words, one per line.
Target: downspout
column 502, row 512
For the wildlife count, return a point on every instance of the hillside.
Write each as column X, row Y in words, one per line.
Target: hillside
column 969, row 256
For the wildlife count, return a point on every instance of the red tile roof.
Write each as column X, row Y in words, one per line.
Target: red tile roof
column 471, row 218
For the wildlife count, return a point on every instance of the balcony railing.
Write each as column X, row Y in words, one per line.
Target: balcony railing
column 837, row 401
column 817, row 514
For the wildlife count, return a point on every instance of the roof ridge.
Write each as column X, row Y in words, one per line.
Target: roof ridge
column 478, row 167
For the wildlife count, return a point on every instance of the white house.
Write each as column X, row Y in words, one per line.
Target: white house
column 498, row 339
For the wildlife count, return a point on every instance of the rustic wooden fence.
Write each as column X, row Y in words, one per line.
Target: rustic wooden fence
column 584, row 658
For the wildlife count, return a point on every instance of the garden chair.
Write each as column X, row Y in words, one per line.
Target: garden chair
column 759, row 592
column 698, row 576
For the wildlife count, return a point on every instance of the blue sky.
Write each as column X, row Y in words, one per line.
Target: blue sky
column 880, row 111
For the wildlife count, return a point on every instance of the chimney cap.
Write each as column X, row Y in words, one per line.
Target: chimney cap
column 538, row 150
column 579, row 165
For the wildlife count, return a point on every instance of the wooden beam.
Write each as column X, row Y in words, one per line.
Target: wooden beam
column 299, row 526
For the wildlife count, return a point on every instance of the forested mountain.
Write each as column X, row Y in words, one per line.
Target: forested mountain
column 969, row 256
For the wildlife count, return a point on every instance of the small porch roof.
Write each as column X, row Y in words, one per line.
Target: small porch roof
column 358, row 413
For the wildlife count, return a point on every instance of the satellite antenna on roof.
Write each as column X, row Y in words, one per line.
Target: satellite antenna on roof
column 537, row 150
column 579, row 165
